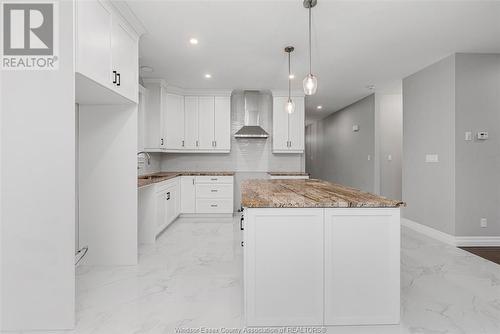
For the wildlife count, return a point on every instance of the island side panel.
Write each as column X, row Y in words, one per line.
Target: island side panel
column 284, row 261
column 362, row 266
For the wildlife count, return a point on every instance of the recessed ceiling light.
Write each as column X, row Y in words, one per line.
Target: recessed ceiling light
column 208, row 76
column 291, row 76
column 193, row 41
column 148, row 69
column 319, row 107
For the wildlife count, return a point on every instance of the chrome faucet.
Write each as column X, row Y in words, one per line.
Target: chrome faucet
column 148, row 157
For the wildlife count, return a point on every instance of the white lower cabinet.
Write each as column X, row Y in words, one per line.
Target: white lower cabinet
column 167, row 203
column 316, row 266
column 214, row 194
column 283, row 259
column 362, row 278
column 188, row 194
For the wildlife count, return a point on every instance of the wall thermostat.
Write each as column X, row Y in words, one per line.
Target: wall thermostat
column 483, row 135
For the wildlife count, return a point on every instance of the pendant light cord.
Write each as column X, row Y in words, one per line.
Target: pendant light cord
column 310, row 61
column 289, row 79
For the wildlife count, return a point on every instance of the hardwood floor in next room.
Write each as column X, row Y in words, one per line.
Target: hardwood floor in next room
column 488, row 253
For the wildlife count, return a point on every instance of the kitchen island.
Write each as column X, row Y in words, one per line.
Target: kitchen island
column 319, row 254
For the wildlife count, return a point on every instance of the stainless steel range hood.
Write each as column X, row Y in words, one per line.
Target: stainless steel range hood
column 252, row 128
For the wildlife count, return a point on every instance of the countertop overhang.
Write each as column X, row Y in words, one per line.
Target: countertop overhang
column 310, row 193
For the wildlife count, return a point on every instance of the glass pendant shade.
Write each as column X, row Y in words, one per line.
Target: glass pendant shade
column 310, row 84
column 290, row 106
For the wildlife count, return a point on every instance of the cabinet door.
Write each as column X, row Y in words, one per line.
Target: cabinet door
column 280, row 125
column 278, row 261
column 161, row 210
column 171, row 206
column 362, row 287
column 93, row 41
column 174, row 111
column 206, row 122
column 222, row 123
column 124, row 55
column 188, row 194
column 190, row 122
column 141, row 118
column 153, row 118
column 297, row 126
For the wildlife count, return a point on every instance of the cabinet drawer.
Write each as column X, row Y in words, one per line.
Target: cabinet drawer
column 214, row 179
column 214, row 191
column 214, row 206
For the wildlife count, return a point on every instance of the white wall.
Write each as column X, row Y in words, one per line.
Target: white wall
column 38, row 192
column 108, row 184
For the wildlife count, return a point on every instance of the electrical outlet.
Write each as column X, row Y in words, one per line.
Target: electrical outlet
column 431, row 158
column 389, row 157
column 468, row 136
column 484, row 222
column 369, row 157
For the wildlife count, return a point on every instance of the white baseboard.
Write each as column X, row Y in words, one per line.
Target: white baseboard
column 450, row 239
column 478, row 241
column 206, row 215
column 429, row 231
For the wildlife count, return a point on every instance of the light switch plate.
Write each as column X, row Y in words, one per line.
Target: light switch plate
column 389, row 157
column 355, row 128
column 484, row 222
column 431, row 158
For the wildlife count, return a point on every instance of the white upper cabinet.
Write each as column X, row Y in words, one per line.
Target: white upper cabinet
column 288, row 129
column 222, row 123
column 125, row 61
column 93, row 26
column 174, row 122
column 154, row 117
column 106, row 55
column 191, row 122
column 206, row 106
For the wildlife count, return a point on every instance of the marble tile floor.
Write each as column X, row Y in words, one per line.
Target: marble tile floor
column 192, row 277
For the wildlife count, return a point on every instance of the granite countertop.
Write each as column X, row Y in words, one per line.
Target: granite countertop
column 310, row 193
column 148, row 179
column 288, row 173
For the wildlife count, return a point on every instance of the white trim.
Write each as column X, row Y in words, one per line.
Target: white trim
column 128, row 15
column 449, row 239
column 429, row 231
column 478, row 241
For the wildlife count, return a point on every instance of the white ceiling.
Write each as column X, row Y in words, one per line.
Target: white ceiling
column 355, row 43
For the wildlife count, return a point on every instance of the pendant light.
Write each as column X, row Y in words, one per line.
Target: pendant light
column 310, row 82
column 289, row 105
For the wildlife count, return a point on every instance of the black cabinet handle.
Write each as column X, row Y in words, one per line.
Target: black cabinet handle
column 241, row 223
column 119, row 80
column 213, row 205
column 114, row 77
column 168, row 195
column 161, row 142
column 242, row 244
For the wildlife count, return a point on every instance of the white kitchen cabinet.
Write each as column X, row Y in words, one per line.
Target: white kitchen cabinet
column 168, row 203
column 278, row 261
column 154, row 117
column 222, row 123
column 206, row 119
column 191, row 122
column 141, row 119
column 93, row 32
column 125, row 61
column 362, row 287
column 214, row 194
column 106, row 55
column 174, row 122
column 288, row 129
column 188, row 194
